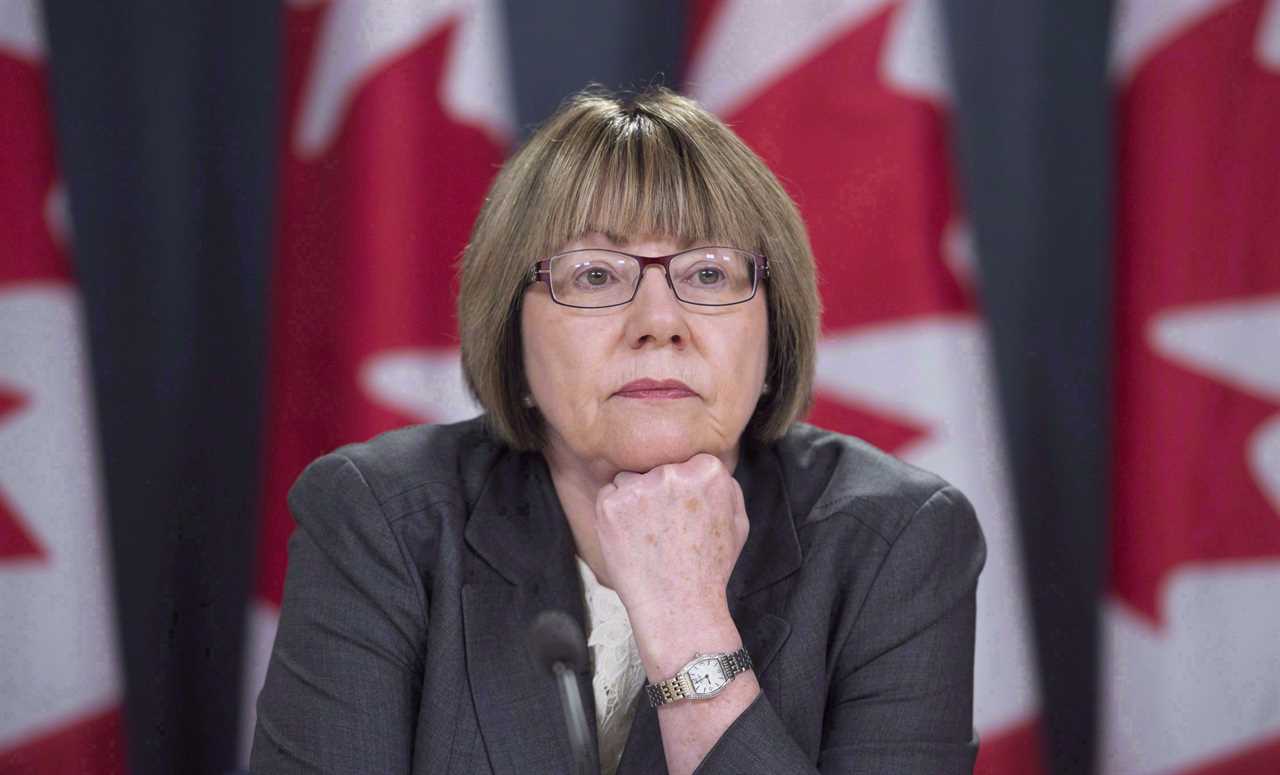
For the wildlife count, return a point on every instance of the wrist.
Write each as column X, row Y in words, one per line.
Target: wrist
column 666, row 610
column 666, row 644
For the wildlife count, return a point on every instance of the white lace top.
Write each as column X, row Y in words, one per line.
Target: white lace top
column 618, row 673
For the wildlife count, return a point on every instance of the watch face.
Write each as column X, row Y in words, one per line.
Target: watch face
column 707, row 676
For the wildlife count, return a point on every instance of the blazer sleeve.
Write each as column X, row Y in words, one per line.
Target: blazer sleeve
column 901, row 692
column 344, row 680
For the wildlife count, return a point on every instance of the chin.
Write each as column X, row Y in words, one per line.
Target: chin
column 645, row 444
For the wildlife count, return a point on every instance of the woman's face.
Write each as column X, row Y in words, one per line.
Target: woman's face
column 578, row 360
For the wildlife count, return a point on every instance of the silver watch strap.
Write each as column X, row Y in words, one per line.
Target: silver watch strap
column 679, row 687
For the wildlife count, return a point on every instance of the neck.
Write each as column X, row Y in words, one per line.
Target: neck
column 577, row 481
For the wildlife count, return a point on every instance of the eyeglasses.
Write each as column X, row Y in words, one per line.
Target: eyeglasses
column 710, row 276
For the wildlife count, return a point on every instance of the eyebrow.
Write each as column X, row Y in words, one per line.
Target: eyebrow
column 619, row 240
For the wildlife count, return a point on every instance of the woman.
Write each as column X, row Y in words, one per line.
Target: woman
column 638, row 314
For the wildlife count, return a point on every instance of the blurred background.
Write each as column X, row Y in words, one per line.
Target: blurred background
column 1048, row 238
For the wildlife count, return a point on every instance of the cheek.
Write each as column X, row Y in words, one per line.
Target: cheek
column 755, row 338
column 559, row 357
column 741, row 359
column 541, row 356
column 755, row 366
column 539, row 336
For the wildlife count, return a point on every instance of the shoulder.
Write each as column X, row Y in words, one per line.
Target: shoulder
column 831, row 475
column 435, row 462
column 383, row 511
column 904, row 542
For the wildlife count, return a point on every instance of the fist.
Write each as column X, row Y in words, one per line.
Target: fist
column 669, row 538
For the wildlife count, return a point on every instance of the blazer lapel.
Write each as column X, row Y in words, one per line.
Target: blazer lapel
column 772, row 551
column 519, row 529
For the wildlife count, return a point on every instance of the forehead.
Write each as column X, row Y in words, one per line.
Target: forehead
column 634, row 218
column 646, row 244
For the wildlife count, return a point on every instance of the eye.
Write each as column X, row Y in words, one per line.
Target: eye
column 706, row 275
column 710, row 275
column 594, row 277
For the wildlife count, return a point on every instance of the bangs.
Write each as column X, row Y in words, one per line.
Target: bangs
column 634, row 176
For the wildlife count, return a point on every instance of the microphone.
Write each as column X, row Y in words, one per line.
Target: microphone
column 558, row 645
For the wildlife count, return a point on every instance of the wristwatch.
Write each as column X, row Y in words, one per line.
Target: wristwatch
column 702, row 678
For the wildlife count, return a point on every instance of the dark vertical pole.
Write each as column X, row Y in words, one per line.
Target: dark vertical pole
column 166, row 125
column 1033, row 137
column 559, row 46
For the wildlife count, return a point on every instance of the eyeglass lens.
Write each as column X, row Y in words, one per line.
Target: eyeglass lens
column 603, row 278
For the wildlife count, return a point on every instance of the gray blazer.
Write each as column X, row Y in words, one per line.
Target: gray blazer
column 422, row 555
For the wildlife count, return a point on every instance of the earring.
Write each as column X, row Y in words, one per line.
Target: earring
column 764, row 389
column 527, row 400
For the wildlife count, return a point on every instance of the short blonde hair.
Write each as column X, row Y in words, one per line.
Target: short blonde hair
column 654, row 163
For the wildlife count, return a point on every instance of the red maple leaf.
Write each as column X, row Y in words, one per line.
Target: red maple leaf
column 85, row 744
column 865, row 423
column 369, row 232
column 1198, row 159
column 15, row 542
column 75, row 742
column 27, row 174
column 871, row 176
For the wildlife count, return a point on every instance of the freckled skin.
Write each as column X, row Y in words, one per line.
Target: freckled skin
column 696, row 507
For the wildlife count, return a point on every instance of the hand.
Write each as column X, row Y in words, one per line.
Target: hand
column 669, row 538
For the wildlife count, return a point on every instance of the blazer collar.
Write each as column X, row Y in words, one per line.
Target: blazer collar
column 520, row 529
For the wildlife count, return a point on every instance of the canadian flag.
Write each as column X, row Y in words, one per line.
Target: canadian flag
column 847, row 100
column 1192, row 668
column 398, row 116
column 59, row 667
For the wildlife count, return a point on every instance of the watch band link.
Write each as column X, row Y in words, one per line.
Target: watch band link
column 679, row 687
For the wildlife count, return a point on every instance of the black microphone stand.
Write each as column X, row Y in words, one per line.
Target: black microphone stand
column 575, row 718
column 558, row 644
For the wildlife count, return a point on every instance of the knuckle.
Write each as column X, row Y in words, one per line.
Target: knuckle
column 707, row 461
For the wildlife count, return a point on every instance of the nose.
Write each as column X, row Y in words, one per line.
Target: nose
column 655, row 316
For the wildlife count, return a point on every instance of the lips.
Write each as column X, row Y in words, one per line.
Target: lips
column 653, row 388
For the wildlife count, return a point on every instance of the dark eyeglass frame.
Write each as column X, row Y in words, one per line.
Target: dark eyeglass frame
column 541, row 272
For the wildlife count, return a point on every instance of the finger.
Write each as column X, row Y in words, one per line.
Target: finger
column 604, row 492
column 705, row 461
column 624, row 477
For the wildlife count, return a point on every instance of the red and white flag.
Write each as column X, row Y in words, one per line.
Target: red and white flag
column 1192, row 664
column 60, row 680
column 398, row 116
column 847, row 100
